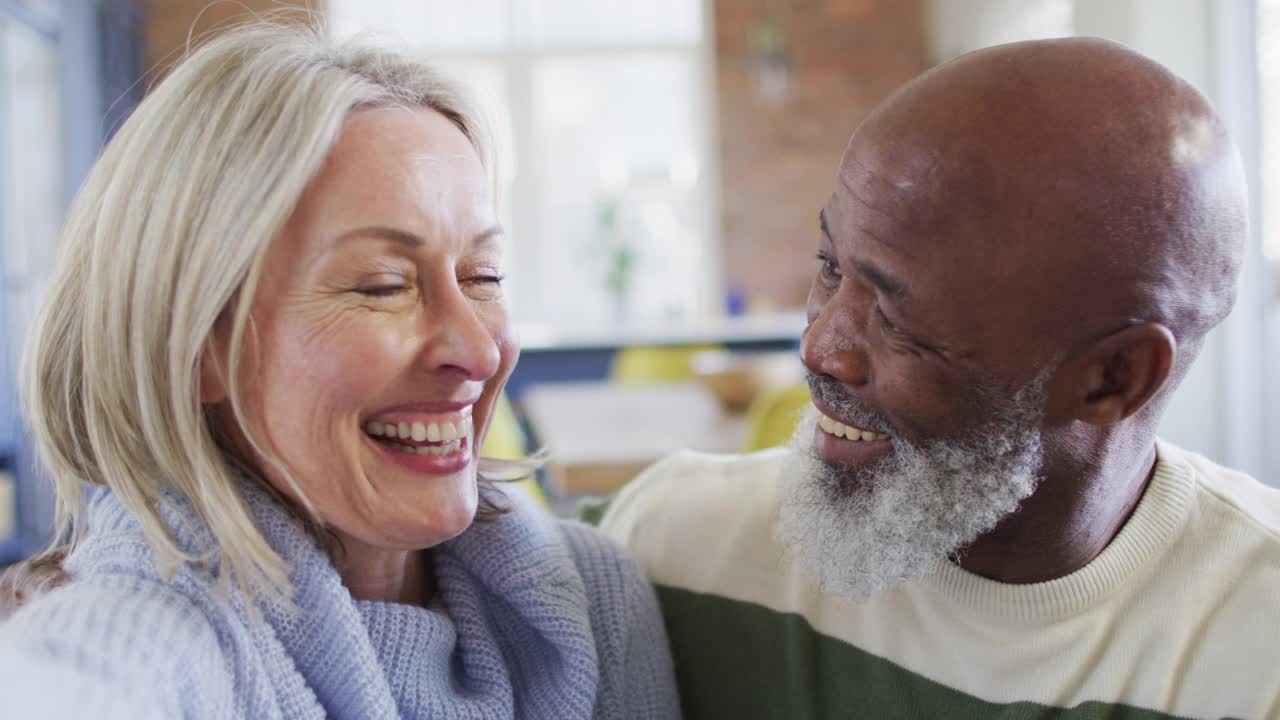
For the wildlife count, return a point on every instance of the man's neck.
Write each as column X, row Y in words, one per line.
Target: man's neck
column 1075, row 512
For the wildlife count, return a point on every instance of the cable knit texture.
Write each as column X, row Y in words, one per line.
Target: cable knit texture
column 532, row 618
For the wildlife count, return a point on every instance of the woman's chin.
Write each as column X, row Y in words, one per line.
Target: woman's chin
column 443, row 518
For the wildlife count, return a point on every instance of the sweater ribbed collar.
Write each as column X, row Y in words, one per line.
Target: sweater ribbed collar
column 518, row 564
column 1158, row 519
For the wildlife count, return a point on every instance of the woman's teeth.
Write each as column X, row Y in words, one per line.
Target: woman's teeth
column 444, row 437
column 849, row 432
column 434, row 432
column 450, row 447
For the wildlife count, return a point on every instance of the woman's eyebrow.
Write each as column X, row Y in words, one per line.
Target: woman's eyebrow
column 407, row 238
column 379, row 231
column 487, row 236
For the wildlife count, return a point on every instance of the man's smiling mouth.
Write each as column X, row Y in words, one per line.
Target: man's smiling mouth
column 834, row 427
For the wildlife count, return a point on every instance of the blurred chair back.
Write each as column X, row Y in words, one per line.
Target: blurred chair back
column 773, row 416
column 655, row 364
column 506, row 441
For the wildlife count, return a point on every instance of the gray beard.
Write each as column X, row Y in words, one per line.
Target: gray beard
column 860, row 531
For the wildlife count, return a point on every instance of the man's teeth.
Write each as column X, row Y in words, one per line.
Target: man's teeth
column 839, row 429
column 446, row 432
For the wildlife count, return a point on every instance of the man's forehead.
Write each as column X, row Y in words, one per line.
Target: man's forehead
column 890, row 211
column 897, row 157
column 891, row 184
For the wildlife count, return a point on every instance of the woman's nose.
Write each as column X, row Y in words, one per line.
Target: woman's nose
column 458, row 338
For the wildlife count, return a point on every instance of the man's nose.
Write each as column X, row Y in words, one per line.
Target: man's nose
column 833, row 344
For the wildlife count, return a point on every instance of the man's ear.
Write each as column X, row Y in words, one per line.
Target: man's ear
column 1118, row 375
column 213, row 385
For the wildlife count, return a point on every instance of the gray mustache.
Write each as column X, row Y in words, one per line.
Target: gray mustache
column 830, row 392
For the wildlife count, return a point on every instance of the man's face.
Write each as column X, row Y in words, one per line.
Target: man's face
column 927, row 430
column 923, row 311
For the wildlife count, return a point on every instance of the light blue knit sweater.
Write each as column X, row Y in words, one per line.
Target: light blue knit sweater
column 532, row 618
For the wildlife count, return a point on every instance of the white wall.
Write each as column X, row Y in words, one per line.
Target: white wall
column 958, row 26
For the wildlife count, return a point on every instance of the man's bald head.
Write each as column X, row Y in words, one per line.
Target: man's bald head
column 1022, row 252
column 1073, row 177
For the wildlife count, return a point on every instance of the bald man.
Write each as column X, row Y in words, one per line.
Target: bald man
column 1023, row 252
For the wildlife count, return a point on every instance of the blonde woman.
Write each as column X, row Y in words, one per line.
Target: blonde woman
column 273, row 342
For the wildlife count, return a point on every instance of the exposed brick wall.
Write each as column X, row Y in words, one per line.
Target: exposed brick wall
column 170, row 22
column 778, row 162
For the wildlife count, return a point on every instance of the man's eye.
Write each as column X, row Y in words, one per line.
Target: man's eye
column 491, row 279
column 828, row 270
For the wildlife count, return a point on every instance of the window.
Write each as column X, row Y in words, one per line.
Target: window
column 31, row 197
column 606, row 107
column 1269, row 103
column 1268, row 50
column 31, row 190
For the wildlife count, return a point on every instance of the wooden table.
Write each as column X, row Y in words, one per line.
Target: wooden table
column 602, row 434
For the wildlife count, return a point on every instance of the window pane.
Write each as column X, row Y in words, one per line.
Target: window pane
column 47, row 8
column 958, row 27
column 617, row 159
column 1269, row 96
column 433, row 24
column 44, row 12
column 607, row 23
column 32, row 185
column 615, row 131
column 487, row 81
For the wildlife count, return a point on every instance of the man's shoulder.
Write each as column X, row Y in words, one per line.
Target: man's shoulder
column 693, row 516
column 1229, row 498
column 694, row 486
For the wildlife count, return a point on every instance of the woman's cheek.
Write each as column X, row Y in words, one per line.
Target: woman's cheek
column 496, row 319
column 348, row 358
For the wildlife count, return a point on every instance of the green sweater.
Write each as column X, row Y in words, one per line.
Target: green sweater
column 1178, row 617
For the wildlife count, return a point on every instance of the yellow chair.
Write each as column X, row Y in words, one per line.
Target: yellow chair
column 505, row 441
column 773, row 416
column 655, row 364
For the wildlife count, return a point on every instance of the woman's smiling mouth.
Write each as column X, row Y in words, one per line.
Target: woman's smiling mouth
column 433, row 443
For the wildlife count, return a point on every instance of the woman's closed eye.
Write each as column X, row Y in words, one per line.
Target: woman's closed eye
column 383, row 285
column 491, row 278
column 481, row 278
column 483, row 285
column 382, row 290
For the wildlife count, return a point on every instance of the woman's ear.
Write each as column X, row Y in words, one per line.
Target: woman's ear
column 1119, row 374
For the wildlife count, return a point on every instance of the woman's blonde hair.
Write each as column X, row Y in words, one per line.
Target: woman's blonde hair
column 168, row 237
